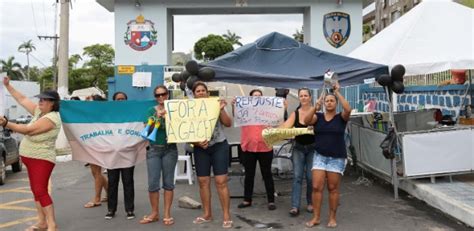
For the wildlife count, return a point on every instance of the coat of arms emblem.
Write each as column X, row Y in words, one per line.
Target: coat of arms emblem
column 337, row 28
column 140, row 34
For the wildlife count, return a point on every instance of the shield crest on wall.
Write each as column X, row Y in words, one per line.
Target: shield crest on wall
column 140, row 34
column 337, row 28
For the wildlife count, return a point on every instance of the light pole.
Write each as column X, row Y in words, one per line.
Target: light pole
column 203, row 56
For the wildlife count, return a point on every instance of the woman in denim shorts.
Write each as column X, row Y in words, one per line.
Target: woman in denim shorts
column 161, row 158
column 302, row 155
column 213, row 153
column 330, row 154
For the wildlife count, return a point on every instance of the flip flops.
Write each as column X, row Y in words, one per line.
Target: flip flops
column 201, row 220
column 91, row 204
column 147, row 220
column 227, row 224
column 168, row 221
column 36, row 228
column 311, row 224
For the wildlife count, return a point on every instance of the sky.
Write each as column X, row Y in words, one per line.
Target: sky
column 90, row 23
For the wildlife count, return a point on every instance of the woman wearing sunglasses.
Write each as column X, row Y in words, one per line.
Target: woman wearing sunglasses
column 161, row 158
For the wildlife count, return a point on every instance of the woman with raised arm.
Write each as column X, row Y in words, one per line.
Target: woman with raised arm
column 213, row 153
column 302, row 155
column 37, row 149
column 329, row 159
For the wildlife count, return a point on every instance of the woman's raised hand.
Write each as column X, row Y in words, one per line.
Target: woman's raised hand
column 6, row 81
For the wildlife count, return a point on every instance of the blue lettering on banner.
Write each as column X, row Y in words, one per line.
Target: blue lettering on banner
column 96, row 134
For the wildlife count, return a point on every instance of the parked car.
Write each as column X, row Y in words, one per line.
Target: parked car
column 9, row 154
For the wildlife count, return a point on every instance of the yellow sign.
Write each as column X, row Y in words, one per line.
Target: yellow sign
column 126, row 69
column 191, row 120
column 272, row 136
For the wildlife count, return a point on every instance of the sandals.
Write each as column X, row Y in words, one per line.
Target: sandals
column 36, row 228
column 331, row 225
column 309, row 209
column 201, row 220
column 311, row 224
column 91, row 204
column 294, row 212
column 168, row 221
column 227, row 224
column 244, row 204
column 104, row 199
column 147, row 220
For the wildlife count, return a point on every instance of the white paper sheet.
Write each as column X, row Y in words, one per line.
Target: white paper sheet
column 3, row 97
column 141, row 79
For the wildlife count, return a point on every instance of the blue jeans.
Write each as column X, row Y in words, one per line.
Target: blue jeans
column 302, row 158
column 161, row 159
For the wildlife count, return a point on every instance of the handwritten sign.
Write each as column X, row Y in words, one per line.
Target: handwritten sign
column 272, row 136
column 262, row 110
column 191, row 120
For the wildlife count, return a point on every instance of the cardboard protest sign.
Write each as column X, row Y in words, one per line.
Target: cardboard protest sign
column 191, row 120
column 261, row 110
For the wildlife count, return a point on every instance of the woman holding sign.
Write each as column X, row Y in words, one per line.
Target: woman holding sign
column 254, row 149
column 161, row 158
column 213, row 153
column 329, row 159
column 302, row 156
column 37, row 149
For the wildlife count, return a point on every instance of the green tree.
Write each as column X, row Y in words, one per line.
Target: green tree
column 12, row 68
column 46, row 79
column 468, row 3
column 100, row 64
column 299, row 35
column 232, row 38
column 213, row 46
column 27, row 47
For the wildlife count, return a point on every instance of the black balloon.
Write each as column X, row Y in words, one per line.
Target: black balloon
column 398, row 71
column 176, row 77
column 185, row 75
column 182, row 85
column 206, row 74
column 191, row 80
column 192, row 67
column 384, row 80
column 397, row 87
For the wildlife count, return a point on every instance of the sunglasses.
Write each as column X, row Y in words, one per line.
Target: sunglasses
column 160, row 94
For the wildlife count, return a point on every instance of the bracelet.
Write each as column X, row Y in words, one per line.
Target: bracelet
column 6, row 122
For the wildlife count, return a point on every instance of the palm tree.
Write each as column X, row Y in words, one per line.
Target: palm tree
column 299, row 35
column 13, row 69
column 232, row 38
column 74, row 60
column 27, row 47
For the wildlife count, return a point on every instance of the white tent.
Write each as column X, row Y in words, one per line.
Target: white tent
column 83, row 93
column 434, row 36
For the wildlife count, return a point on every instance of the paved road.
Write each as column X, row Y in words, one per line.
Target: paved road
column 362, row 207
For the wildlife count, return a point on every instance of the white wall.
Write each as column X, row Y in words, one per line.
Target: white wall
column 321, row 7
column 155, row 55
column 160, row 13
column 14, row 110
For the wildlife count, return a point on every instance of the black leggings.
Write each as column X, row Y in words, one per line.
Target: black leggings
column 249, row 160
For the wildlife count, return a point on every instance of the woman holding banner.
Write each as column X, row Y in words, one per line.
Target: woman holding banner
column 37, row 149
column 100, row 182
column 213, row 153
column 127, row 182
column 161, row 159
column 302, row 156
column 254, row 149
column 329, row 159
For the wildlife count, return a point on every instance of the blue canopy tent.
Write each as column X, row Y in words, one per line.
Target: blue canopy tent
column 276, row 60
